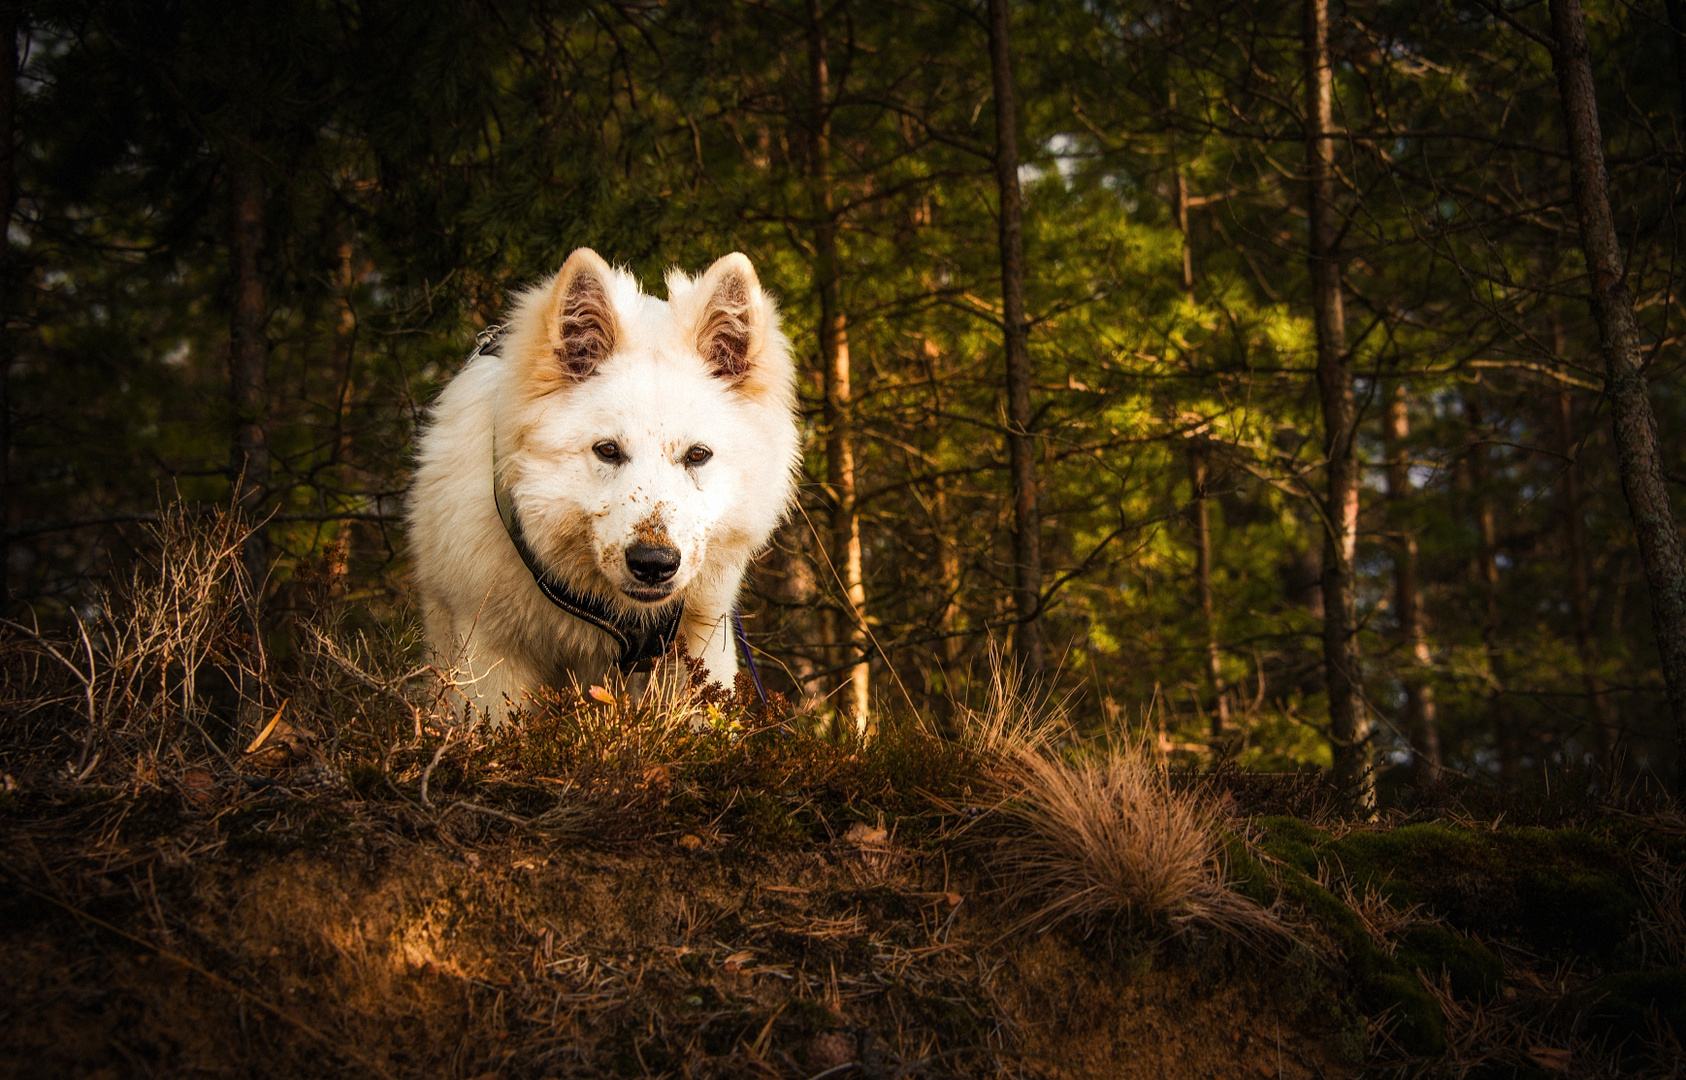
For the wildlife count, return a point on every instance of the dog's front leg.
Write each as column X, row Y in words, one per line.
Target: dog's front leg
column 707, row 627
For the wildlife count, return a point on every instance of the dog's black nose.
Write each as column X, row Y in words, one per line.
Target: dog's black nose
column 652, row 563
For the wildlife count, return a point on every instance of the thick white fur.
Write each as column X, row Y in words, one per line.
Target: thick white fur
column 656, row 396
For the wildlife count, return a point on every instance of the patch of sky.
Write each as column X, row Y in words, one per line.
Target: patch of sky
column 1067, row 151
column 1446, row 402
column 177, row 357
column 1503, row 561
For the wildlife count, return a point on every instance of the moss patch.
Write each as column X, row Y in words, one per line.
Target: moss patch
column 1624, row 1007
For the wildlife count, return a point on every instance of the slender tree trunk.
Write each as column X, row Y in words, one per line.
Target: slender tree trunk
column 344, row 343
column 1199, row 471
column 10, row 25
column 834, row 362
column 1677, row 23
column 1021, row 443
column 1637, row 452
column 1580, row 588
column 948, row 650
column 787, row 575
column 1420, row 719
column 248, row 359
column 1492, row 620
column 1349, row 727
column 1179, row 206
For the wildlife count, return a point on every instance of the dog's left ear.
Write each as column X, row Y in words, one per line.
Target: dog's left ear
column 733, row 323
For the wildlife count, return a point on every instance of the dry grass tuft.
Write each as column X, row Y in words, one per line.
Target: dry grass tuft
column 144, row 671
column 1015, row 718
column 1107, row 839
column 1097, row 835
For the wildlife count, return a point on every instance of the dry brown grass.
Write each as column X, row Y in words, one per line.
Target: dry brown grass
column 1097, row 834
column 1105, row 838
column 141, row 672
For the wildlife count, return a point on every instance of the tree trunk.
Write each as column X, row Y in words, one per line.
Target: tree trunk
column 248, row 355
column 1580, row 588
column 1349, row 727
column 1179, row 206
column 1021, row 443
column 344, row 342
column 10, row 24
column 1492, row 621
column 1637, row 452
column 1420, row 718
column 1199, row 469
column 835, row 369
column 1677, row 23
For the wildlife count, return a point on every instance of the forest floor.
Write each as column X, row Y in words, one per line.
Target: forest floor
column 225, row 858
column 769, row 904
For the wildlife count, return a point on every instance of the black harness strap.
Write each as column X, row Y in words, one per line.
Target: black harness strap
column 640, row 642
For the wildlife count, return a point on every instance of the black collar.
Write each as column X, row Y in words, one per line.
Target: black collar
column 640, row 642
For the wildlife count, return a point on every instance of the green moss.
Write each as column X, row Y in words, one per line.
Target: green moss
column 1474, row 971
column 1620, row 1007
column 1551, row 890
column 1385, row 985
column 1418, row 1025
column 1247, row 875
column 1288, row 828
column 768, row 821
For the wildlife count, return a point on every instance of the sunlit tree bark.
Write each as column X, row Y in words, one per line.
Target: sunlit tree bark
column 1349, row 727
column 835, row 368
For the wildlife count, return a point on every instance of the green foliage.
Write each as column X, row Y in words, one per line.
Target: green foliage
column 421, row 162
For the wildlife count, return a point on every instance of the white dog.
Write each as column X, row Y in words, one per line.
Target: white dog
column 594, row 482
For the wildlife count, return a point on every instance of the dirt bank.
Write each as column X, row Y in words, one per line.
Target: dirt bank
column 308, row 942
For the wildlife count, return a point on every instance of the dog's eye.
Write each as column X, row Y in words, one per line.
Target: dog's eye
column 608, row 451
column 698, row 455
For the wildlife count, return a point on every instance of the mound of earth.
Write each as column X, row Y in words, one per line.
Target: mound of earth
column 303, row 936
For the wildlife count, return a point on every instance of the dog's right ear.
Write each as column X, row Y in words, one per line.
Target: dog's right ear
column 582, row 325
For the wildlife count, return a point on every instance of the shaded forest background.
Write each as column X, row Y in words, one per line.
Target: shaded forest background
column 248, row 242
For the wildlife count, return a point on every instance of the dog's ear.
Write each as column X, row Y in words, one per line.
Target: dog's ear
column 733, row 321
column 582, row 324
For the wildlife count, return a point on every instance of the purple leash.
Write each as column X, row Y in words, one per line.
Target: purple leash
column 749, row 658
